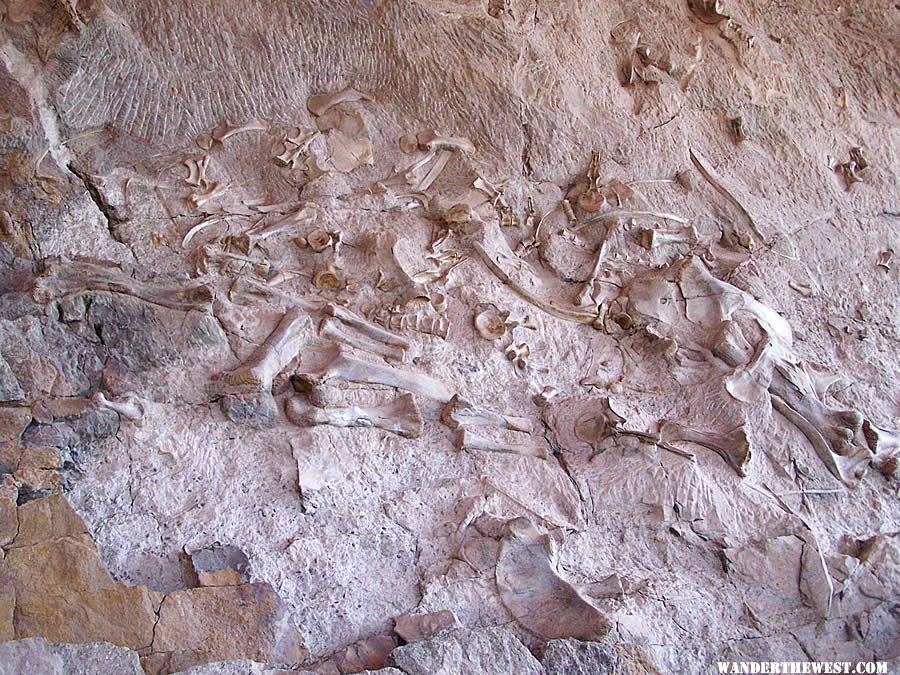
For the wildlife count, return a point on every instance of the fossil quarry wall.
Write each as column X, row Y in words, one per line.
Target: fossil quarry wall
column 451, row 336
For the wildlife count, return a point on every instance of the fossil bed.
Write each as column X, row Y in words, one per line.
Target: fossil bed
column 678, row 217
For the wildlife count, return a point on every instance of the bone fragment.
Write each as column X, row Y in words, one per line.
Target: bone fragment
column 401, row 416
column 617, row 214
column 320, row 103
column 651, row 238
column 202, row 225
column 440, row 163
column 62, row 278
column 460, row 413
column 342, row 367
column 305, row 215
column 211, row 193
column 272, row 356
column 534, row 592
column 365, row 327
column 332, row 330
column 129, row 408
column 713, row 179
column 884, row 443
column 430, row 140
column 197, row 171
column 468, row 442
column 225, row 130
column 732, row 446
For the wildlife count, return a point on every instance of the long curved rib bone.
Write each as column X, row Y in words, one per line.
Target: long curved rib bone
column 272, row 356
column 460, row 413
column 343, row 367
column 431, row 140
column 401, row 416
column 320, row 103
column 732, row 446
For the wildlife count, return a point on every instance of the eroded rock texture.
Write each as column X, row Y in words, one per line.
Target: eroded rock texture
column 447, row 336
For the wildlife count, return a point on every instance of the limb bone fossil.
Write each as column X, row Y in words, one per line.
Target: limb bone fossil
column 460, row 413
column 401, row 416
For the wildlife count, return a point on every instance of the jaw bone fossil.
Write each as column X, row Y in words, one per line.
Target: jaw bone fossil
column 534, row 593
column 460, row 413
column 400, row 416
column 732, row 446
column 342, row 367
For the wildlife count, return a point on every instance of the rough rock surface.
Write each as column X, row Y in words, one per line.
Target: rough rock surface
column 485, row 309
column 36, row 655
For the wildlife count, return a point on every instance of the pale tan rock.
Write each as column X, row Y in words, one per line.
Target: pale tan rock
column 7, row 604
column 13, row 422
column 47, row 518
column 199, row 625
column 9, row 519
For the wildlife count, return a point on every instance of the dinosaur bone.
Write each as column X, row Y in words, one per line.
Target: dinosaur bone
column 203, row 224
column 430, row 140
column 225, row 130
column 62, row 278
column 534, row 592
column 401, row 416
column 197, row 171
column 884, row 443
column 460, row 413
column 732, row 446
column 342, row 367
column 272, row 356
column 305, row 215
column 365, row 327
column 130, row 408
column 331, row 329
column 320, row 103
column 651, row 238
column 467, row 441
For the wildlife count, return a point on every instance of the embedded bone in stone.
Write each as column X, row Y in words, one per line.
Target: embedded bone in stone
column 467, row 441
column 329, row 328
column 367, row 328
column 339, row 366
column 281, row 347
column 320, row 103
column 535, row 593
column 401, row 416
column 431, row 141
column 225, row 130
column 414, row 627
column 130, row 408
column 460, row 413
column 651, row 238
column 834, row 434
column 197, row 171
column 732, row 446
column 61, row 278
column 306, row 215
column 884, row 444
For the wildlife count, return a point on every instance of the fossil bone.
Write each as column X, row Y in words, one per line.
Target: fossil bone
column 62, row 278
column 272, row 356
column 732, row 446
column 545, row 395
column 331, row 329
column 401, row 416
column 885, row 444
column 458, row 412
column 365, row 327
column 197, row 171
column 318, row 240
column 129, row 408
column 430, row 140
column 202, row 225
column 342, row 367
column 320, row 103
column 306, row 215
column 466, row 441
column 716, row 181
column 534, row 592
column 623, row 213
column 225, row 130
column 210, row 193
column 651, row 238
column 491, row 323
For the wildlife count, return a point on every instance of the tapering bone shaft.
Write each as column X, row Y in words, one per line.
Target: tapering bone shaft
column 460, row 413
column 353, row 370
column 365, row 327
column 272, row 356
column 331, row 330
column 732, row 446
column 467, row 441
column 320, row 103
column 431, row 140
column 401, row 416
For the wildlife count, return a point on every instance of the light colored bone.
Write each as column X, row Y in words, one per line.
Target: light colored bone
column 460, row 413
column 225, row 130
column 272, row 356
column 62, row 278
column 430, row 325
column 212, row 192
column 401, row 416
column 440, row 163
column 566, row 314
column 651, row 238
column 330, row 329
column 586, row 296
column 197, row 171
column 534, row 592
column 367, row 328
column 342, row 367
column 717, row 182
column 430, row 140
column 130, row 408
column 884, row 444
column 306, row 215
column 620, row 213
column 202, row 225
column 466, row 441
column 320, row 103
column 732, row 446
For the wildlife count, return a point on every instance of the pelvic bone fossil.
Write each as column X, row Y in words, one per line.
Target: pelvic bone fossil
column 536, row 595
column 401, row 416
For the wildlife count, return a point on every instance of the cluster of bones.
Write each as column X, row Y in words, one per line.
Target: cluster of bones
column 652, row 274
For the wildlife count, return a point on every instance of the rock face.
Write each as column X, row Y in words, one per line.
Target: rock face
column 36, row 655
column 449, row 333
